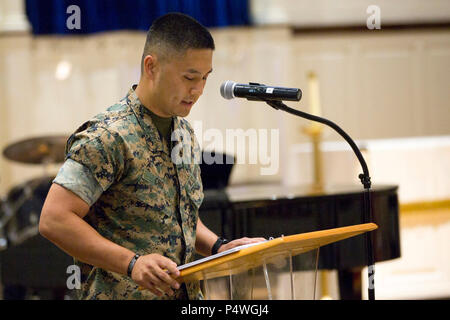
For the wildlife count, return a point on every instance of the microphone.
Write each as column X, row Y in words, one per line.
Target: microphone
column 258, row 92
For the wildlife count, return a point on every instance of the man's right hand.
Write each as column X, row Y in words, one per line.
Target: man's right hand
column 156, row 273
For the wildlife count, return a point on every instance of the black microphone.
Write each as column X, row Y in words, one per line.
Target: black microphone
column 258, row 92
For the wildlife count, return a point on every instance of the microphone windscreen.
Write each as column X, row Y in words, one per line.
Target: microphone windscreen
column 226, row 89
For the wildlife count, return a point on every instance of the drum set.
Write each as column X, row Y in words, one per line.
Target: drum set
column 21, row 208
column 23, row 252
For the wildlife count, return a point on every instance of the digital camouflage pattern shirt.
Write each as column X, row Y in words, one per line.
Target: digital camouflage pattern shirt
column 149, row 197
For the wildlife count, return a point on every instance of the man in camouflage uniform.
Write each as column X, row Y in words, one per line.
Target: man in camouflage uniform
column 125, row 203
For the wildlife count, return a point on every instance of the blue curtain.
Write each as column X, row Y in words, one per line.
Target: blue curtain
column 50, row 16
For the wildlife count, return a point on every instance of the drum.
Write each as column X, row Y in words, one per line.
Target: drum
column 30, row 265
column 22, row 209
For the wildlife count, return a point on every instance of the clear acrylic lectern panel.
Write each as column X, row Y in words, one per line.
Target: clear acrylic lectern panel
column 283, row 277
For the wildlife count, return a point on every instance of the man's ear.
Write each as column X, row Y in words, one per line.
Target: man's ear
column 150, row 62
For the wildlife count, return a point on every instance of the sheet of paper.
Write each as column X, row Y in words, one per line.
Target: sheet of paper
column 217, row 255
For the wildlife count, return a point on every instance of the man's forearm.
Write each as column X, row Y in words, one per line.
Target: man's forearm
column 78, row 239
column 205, row 239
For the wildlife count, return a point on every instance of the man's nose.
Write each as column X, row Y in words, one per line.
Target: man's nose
column 197, row 90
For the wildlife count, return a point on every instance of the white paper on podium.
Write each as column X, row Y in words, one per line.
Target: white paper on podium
column 217, row 255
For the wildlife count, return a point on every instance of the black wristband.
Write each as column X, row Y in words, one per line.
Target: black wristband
column 131, row 265
column 217, row 245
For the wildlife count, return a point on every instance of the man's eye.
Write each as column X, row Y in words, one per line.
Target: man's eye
column 187, row 78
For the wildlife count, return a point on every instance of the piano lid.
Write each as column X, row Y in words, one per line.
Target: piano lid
column 265, row 192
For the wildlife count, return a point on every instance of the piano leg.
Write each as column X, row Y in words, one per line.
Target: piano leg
column 350, row 284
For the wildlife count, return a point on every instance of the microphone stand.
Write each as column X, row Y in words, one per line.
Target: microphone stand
column 365, row 180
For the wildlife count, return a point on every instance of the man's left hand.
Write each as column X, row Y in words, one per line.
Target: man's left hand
column 239, row 242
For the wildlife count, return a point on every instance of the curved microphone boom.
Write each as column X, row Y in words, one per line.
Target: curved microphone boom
column 259, row 92
column 273, row 96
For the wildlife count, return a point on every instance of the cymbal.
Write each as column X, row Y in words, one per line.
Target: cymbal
column 39, row 150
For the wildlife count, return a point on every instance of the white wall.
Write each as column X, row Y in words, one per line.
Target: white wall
column 305, row 13
column 12, row 16
column 375, row 86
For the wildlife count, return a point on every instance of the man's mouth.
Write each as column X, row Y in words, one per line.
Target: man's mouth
column 187, row 102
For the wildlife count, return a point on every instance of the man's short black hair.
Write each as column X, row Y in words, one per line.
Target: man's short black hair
column 175, row 33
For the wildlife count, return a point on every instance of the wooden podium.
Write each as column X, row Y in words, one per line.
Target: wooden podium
column 247, row 259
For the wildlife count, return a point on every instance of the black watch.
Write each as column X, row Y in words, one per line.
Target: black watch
column 131, row 265
column 217, row 245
